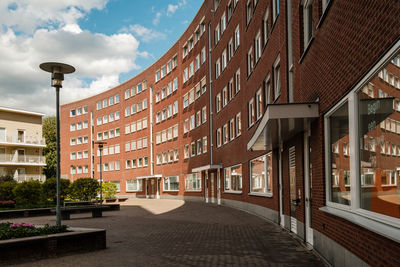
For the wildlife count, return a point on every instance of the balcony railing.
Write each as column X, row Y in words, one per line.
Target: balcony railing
column 29, row 177
column 13, row 158
column 29, row 140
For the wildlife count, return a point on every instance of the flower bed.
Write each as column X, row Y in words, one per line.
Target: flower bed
column 7, row 204
column 17, row 230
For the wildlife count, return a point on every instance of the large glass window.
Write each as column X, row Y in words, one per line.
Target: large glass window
column 133, row 185
column 193, row 182
column 363, row 151
column 261, row 174
column 340, row 159
column 233, row 178
column 171, row 183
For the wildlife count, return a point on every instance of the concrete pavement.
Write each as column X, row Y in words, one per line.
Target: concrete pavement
column 176, row 233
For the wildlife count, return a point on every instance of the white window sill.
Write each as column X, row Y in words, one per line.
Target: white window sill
column 193, row 190
column 233, row 192
column 170, row 190
column 133, row 191
column 260, row 194
column 381, row 228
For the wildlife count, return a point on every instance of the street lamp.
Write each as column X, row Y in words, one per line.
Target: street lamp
column 57, row 71
column 101, row 144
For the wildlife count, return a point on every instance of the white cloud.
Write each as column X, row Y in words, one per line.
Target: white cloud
column 99, row 59
column 157, row 18
column 171, row 9
column 145, row 34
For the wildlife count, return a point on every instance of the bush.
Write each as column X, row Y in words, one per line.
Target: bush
column 50, row 189
column 84, row 189
column 8, row 204
column 17, row 230
column 6, row 178
column 28, row 193
column 109, row 190
column 6, row 190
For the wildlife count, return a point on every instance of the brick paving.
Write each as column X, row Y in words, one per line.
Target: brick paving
column 177, row 233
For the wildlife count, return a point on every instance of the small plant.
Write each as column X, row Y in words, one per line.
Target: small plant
column 109, row 190
column 7, row 204
column 84, row 189
column 28, row 193
column 17, row 230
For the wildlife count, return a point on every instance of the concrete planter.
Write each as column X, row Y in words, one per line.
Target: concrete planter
column 36, row 247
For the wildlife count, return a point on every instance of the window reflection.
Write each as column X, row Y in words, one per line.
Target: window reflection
column 340, row 155
column 379, row 125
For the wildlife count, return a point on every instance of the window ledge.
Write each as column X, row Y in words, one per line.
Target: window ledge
column 170, row 190
column 306, row 49
column 260, row 194
column 133, row 191
column 324, row 14
column 233, row 192
column 193, row 191
column 381, row 228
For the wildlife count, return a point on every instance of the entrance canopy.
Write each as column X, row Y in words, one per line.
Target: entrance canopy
column 292, row 118
column 149, row 176
column 207, row 167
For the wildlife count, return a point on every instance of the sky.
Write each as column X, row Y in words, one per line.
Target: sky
column 107, row 41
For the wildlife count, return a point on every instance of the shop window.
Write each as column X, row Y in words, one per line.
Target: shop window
column 261, row 175
column 233, row 178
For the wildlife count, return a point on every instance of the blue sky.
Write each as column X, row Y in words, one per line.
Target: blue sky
column 108, row 41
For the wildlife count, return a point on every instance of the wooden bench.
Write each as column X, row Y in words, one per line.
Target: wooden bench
column 77, row 203
column 97, row 211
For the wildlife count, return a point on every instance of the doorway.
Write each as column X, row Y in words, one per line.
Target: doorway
column 294, row 201
column 308, row 188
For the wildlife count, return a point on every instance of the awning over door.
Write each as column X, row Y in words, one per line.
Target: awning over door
column 149, row 176
column 292, row 117
column 207, row 167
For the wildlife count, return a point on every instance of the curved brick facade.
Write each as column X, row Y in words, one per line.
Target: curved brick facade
column 260, row 52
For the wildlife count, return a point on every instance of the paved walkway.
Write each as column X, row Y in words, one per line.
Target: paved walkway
column 176, row 233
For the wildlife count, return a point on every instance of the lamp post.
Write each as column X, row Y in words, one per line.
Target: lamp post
column 101, row 144
column 57, row 71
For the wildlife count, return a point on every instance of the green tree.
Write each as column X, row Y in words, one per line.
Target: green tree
column 109, row 190
column 28, row 193
column 50, row 189
column 6, row 178
column 84, row 189
column 49, row 133
column 6, row 190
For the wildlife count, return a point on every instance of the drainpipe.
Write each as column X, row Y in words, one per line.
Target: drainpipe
column 210, row 94
column 151, row 131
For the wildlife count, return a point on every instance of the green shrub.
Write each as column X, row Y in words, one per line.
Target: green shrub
column 6, row 178
column 17, row 230
column 6, row 190
column 109, row 190
column 84, row 189
column 50, row 189
column 28, row 193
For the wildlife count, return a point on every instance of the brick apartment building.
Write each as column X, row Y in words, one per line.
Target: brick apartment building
column 286, row 109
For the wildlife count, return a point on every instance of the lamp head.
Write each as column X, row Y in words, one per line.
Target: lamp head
column 57, row 71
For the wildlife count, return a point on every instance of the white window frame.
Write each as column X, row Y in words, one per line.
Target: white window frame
column 373, row 221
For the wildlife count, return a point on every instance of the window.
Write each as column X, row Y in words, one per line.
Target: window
column 203, row 84
column 193, row 149
column 197, row 63
column 158, row 75
column 219, row 137
column 111, row 101
column 237, row 37
column 193, row 182
column 72, row 156
column 186, row 150
column 174, row 62
column 231, row 129
column 192, row 122
column 98, row 105
column 308, row 23
column 230, row 10
column 116, row 99
column 252, row 117
column 217, row 68
column 237, row 81
column 104, row 103
column 72, row 113
column 223, row 60
column 259, row 104
column 238, row 124
column 171, row 183
column 163, row 71
column 261, row 175
column 204, row 144
column 231, row 93
column 185, row 75
column 257, row 46
column 176, row 154
column 218, row 102
column 175, row 107
column 99, row 120
column 217, row 34
column 225, row 133
column 164, row 157
column 230, row 49
column 223, row 23
column 198, row 118
column 175, row 85
column 250, row 61
column 224, row 96
column 249, row 12
column 204, row 114
column 72, row 127
column 265, row 27
column 186, row 126
column 79, row 124
column 275, row 10
column 191, row 96
column 233, row 179
column 203, row 55
column 277, row 79
column 134, row 185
